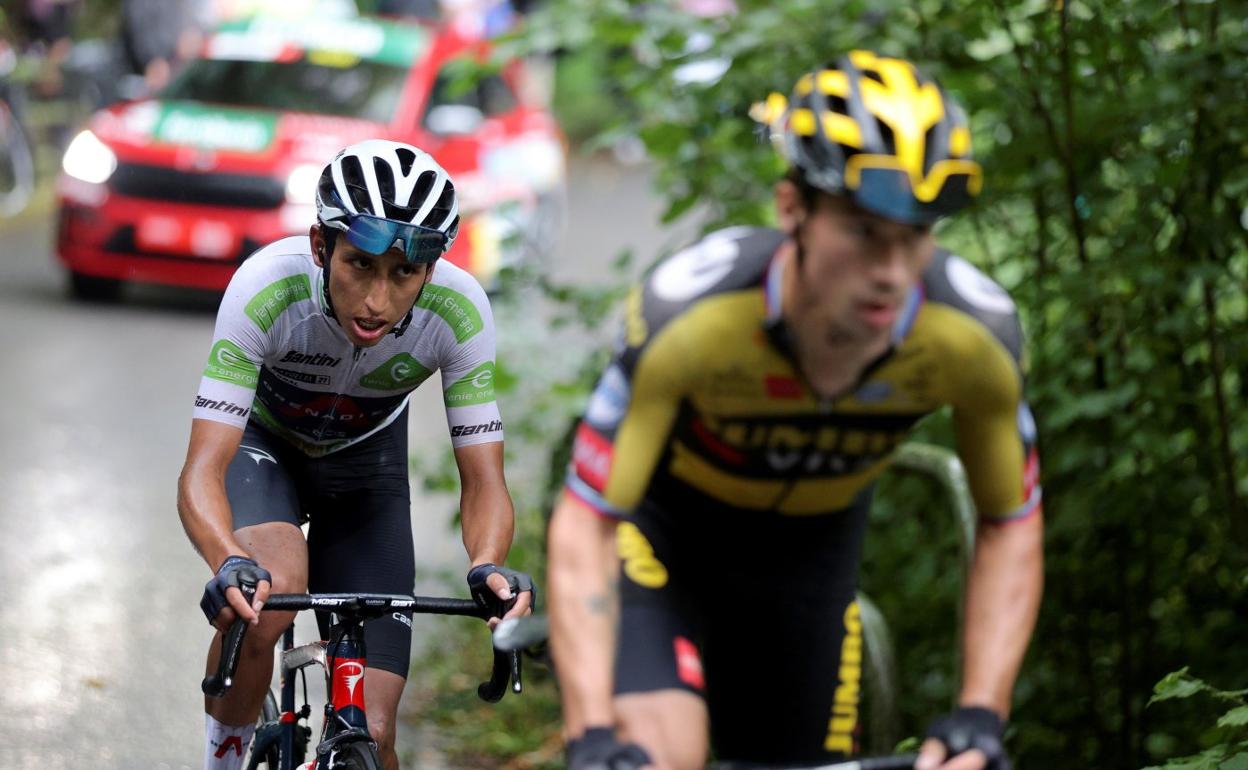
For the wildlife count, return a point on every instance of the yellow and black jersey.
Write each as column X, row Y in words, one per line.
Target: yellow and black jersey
column 703, row 403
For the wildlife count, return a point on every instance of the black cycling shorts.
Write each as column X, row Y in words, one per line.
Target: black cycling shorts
column 357, row 503
column 755, row 613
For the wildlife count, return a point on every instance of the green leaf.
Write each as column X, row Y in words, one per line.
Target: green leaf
column 1237, row 762
column 1236, row 717
column 1177, row 684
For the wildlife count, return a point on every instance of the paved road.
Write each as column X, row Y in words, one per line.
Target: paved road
column 101, row 639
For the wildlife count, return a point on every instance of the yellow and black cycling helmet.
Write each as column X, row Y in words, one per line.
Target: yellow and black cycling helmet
column 875, row 128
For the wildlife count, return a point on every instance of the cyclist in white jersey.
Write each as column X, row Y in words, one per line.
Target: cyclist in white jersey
column 301, row 416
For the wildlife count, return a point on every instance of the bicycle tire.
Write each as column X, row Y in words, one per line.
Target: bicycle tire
column 265, row 756
column 357, row 755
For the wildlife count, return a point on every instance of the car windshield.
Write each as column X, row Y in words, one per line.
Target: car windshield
column 366, row 89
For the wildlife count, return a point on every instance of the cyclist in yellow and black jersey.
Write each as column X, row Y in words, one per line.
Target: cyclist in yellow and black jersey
column 722, row 416
column 726, row 459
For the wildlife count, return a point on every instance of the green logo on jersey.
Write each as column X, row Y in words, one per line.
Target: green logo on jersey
column 227, row 362
column 400, row 372
column 476, row 387
column 265, row 307
column 456, row 309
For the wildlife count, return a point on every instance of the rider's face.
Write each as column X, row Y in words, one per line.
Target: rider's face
column 371, row 292
column 857, row 268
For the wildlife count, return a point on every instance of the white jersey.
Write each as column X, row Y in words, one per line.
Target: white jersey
column 279, row 359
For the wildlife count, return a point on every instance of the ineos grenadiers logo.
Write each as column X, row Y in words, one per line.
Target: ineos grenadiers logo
column 228, row 363
column 401, row 372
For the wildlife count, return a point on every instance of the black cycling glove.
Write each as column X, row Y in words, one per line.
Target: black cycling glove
column 972, row 727
column 237, row 571
column 598, row 749
column 485, row 597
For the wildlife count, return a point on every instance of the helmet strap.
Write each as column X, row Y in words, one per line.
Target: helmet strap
column 330, row 237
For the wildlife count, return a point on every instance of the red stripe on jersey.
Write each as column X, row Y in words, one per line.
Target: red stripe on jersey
column 782, row 387
column 712, row 442
column 1031, row 473
column 591, row 457
column 689, row 663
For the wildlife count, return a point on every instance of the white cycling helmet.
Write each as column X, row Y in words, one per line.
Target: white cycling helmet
column 381, row 192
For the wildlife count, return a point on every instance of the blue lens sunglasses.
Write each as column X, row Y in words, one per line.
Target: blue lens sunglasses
column 376, row 235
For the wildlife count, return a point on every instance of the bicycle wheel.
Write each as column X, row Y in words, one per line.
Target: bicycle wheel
column 17, row 164
column 264, row 748
column 358, row 755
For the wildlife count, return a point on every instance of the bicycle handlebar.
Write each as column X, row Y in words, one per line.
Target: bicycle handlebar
column 360, row 607
column 897, row 762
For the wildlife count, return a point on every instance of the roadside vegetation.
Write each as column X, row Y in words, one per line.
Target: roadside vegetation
column 1115, row 141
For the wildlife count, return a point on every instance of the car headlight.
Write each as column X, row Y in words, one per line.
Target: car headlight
column 301, row 184
column 89, row 159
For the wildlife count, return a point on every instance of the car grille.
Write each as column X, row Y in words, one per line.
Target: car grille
column 166, row 184
column 122, row 241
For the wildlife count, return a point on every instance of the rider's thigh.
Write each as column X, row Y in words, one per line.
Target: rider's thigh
column 671, row 725
column 279, row 547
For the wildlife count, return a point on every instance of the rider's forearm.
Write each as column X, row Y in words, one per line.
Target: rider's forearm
column 584, row 607
column 205, row 514
column 1002, row 601
column 488, row 521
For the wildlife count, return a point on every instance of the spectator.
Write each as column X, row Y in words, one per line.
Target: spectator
column 158, row 36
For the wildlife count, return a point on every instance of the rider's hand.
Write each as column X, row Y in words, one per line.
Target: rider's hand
column 598, row 749
column 226, row 595
column 967, row 739
column 507, row 593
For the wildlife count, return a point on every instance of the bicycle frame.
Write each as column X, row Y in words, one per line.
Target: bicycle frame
column 343, row 660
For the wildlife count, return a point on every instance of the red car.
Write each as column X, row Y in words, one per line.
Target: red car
column 181, row 188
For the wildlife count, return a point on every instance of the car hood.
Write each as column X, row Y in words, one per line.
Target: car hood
column 207, row 137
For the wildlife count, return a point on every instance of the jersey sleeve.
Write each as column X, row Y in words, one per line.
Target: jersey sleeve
column 472, row 414
column 240, row 342
column 994, row 426
column 629, row 417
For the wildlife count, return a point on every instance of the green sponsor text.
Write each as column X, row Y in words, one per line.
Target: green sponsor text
column 265, row 307
column 227, row 362
column 456, row 309
column 476, row 387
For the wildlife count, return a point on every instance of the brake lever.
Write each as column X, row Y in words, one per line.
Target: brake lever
column 218, row 683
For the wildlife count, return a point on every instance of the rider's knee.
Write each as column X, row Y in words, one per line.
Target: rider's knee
column 670, row 727
column 383, row 731
column 677, row 756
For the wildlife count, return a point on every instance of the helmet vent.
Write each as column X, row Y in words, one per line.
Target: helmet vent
column 887, row 138
column 407, row 159
column 442, row 209
column 385, row 179
column 357, row 187
column 424, row 184
column 930, row 150
column 873, row 74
